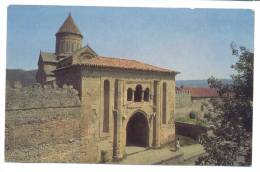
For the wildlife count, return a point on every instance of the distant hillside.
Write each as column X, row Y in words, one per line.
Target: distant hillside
column 192, row 83
column 28, row 77
column 197, row 83
column 25, row 77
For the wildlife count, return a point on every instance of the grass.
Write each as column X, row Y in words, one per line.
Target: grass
column 186, row 141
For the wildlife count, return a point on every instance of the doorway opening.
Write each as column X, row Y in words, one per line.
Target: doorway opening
column 137, row 131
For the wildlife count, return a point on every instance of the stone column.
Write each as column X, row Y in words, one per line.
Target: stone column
column 157, row 117
column 142, row 96
column 133, row 96
column 117, row 151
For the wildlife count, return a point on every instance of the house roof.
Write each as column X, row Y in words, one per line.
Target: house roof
column 119, row 63
column 86, row 56
column 48, row 57
column 69, row 26
column 200, row 92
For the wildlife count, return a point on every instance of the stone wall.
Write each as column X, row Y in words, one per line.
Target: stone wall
column 201, row 106
column 42, row 124
column 185, row 104
column 183, row 99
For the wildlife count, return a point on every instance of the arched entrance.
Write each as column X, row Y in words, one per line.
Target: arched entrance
column 137, row 131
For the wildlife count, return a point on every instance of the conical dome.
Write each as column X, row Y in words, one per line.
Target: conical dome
column 68, row 38
column 69, row 26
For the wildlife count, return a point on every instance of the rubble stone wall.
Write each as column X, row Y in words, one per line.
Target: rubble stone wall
column 42, row 124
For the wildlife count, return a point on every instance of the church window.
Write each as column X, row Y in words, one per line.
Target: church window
column 72, row 46
column 67, row 46
column 129, row 94
column 138, row 93
column 62, row 46
column 106, row 106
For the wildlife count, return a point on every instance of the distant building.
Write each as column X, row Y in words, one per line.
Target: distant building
column 123, row 102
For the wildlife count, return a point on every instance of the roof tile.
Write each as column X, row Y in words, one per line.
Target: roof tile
column 200, row 92
column 122, row 64
column 69, row 26
column 48, row 57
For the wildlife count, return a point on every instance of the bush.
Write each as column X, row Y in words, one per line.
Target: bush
column 207, row 116
column 201, row 122
column 193, row 115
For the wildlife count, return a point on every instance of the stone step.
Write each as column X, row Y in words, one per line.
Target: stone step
column 150, row 156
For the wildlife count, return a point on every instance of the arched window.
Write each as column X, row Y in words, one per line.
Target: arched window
column 138, row 93
column 106, row 106
column 62, row 46
column 67, row 46
column 164, row 98
column 129, row 94
column 146, row 95
column 72, row 46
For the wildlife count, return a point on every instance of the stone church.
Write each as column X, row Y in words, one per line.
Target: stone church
column 123, row 102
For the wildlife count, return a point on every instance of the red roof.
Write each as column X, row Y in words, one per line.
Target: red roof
column 87, row 57
column 122, row 64
column 200, row 92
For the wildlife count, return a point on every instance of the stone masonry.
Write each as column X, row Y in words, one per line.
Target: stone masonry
column 42, row 124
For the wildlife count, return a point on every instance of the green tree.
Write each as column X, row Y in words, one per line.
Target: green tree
column 230, row 142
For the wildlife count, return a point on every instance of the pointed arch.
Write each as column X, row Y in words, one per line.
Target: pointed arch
column 146, row 94
column 138, row 93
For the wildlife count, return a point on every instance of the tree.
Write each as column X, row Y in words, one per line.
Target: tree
column 230, row 142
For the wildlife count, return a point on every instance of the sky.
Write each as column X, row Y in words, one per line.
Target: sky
column 195, row 42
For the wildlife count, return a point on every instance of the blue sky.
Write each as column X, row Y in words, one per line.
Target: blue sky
column 194, row 42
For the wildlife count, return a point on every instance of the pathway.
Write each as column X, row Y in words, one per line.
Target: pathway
column 142, row 156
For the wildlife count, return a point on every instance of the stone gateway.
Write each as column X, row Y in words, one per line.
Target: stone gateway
column 123, row 102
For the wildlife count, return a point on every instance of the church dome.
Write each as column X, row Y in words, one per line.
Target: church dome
column 69, row 26
column 68, row 38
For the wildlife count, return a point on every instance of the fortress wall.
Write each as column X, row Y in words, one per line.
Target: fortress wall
column 183, row 99
column 42, row 124
column 183, row 103
column 186, row 104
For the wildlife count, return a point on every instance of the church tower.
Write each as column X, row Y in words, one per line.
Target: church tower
column 68, row 38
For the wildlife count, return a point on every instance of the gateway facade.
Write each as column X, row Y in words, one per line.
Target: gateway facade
column 123, row 102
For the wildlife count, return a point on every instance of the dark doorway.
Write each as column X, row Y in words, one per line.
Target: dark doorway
column 137, row 131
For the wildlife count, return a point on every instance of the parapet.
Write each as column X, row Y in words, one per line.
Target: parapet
column 36, row 96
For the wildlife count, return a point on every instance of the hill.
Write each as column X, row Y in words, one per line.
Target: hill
column 197, row 83
column 28, row 77
column 25, row 77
